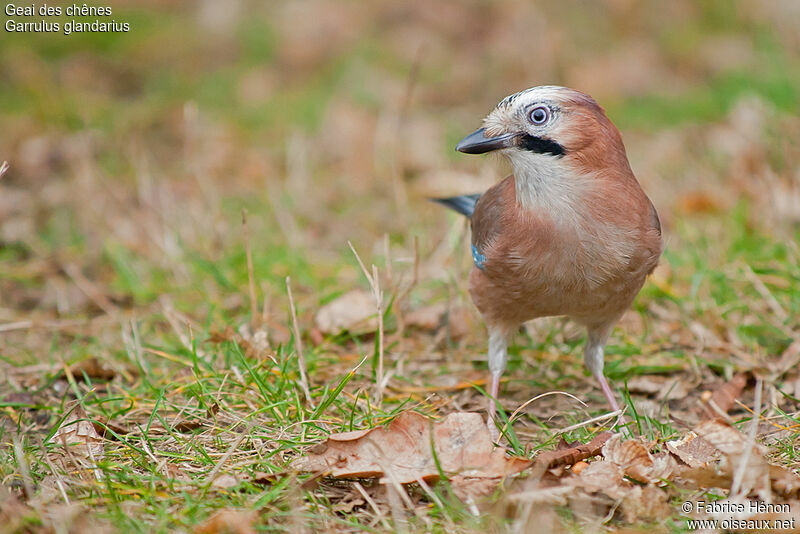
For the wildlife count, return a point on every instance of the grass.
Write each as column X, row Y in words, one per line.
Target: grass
column 247, row 415
column 125, row 295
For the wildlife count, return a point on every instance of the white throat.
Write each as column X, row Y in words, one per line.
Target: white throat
column 544, row 182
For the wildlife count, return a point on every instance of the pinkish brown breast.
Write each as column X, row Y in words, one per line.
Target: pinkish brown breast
column 538, row 264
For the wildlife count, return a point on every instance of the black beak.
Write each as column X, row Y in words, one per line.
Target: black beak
column 478, row 143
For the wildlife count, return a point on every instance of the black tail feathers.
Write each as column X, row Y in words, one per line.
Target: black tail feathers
column 463, row 204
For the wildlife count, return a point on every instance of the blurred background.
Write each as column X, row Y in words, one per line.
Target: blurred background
column 133, row 154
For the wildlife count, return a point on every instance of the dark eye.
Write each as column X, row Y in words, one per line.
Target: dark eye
column 539, row 115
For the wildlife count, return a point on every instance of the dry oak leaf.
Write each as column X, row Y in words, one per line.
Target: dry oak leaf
column 693, row 450
column 93, row 368
column 402, row 451
column 634, row 458
column 229, row 521
column 355, row 311
column 77, row 434
column 724, row 397
column 661, row 387
column 758, row 475
column 607, row 477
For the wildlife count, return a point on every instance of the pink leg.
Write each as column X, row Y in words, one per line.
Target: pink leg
column 610, row 396
column 494, row 389
column 498, row 342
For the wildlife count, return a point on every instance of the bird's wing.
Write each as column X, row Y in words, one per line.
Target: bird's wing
column 487, row 219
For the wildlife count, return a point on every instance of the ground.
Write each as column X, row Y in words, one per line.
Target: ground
column 169, row 186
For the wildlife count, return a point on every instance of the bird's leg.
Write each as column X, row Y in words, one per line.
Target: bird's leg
column 593, row 356
column 498, row 344
column 607, row 391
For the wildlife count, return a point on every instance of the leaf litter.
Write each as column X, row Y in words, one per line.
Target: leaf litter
column 634, row 477
column 413, row 448
column 77, row 436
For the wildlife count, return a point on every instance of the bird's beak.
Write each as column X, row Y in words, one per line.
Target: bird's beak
column 478, row 143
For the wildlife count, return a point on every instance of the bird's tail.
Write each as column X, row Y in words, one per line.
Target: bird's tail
column 464, row 204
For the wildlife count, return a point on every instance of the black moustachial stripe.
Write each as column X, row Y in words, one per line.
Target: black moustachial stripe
column 541, row 145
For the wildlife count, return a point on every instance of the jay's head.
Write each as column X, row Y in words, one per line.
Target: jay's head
column 549, row 124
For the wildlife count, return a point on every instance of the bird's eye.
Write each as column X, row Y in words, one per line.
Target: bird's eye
column 539, row 115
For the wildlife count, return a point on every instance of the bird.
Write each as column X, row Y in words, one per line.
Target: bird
column 570, row 233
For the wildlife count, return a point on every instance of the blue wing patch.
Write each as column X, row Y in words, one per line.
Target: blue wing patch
column 478, row 258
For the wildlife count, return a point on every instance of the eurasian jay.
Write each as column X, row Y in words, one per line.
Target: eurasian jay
column 569, row 233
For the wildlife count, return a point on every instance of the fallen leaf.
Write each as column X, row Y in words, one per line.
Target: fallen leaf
column 693, row 450
column 571, row 454
column 645, row 503
column 724, row 397
column 346, row 506
column 108, row 429
column 354, row 311
column 225, row 481
column 784, row 481
column 402, row 451
column 92, row 368
column 703, row 477
column 13, row 512
column 636, row 461
column 758, row 475
column 77, row 434
column 724, row 437
column 603, row 476
column 229, row 521
column 188, row 425
column 659, row 386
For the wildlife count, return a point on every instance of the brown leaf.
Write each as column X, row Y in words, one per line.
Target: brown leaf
column 78, row 435
column 636, row 461
column 659, row 386
column 724, row 397
column 13, row 512
column 188, row 425
column 92, row 368
column 403, row 451
column 570, row 454
column 109, row 429
column 229, row 521
column 723, row 437
column 784, row 481
column 603, row 476
column 758, row 475
column 354, row 311
column 704, row 477
column 225, row 481
column 265, row 479
column 645, row 503
column 693, row 450
column 346, row 506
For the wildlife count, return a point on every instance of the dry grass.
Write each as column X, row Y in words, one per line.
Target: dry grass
column 133, row 297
